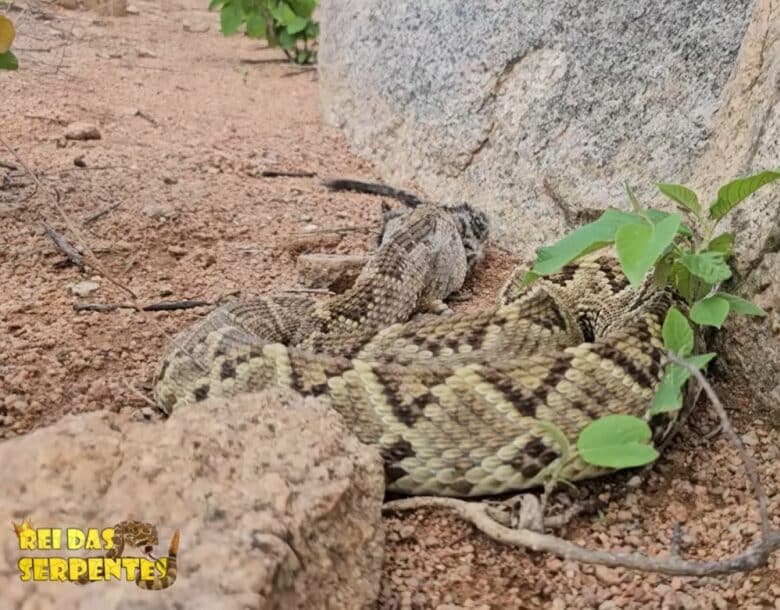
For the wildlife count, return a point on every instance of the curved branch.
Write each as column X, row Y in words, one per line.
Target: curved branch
column 475, row 513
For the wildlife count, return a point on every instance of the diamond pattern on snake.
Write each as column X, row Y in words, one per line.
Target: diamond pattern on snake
column 457, row 404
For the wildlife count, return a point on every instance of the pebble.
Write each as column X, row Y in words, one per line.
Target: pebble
column 607, row 575
column 145, row 53
column 750, row 439
column 85, row 288
column 156, row 210
column 82, row 131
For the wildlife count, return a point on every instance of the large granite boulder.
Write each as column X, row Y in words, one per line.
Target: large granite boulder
column 278, row 504
column 538, row 112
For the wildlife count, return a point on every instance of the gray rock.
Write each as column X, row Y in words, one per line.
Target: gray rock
column 277, row 503
column 538, row 112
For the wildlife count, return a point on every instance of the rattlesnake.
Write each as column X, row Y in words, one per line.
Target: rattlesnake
column 459, row 404
column 142, row 535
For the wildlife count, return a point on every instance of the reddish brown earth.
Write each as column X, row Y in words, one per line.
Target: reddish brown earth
column 186, row 128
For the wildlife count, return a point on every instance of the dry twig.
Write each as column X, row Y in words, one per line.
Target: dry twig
column 90, row 256
column 274, row 174
column 64, row 245
column 756, row 556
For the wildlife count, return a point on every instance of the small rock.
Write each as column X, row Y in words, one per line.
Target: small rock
column 82, row 131
column 634, row 482
column 750, row 439
column 557, row 604
column 310, row 228
column 132, row 10
column 170, row 180
column 85, row 288
column 147, row 412
column 145, row 53
column 607, row 575
column 177, row 250
column 79, row 161
column 159, row 211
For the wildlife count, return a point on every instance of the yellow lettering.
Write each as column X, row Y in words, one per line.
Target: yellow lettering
column 147, row 569
column 93, row 540
column 108, row 538
column 113, row 568
column 162, row 566
column 40, row 568
column 131, row 566
column 75, row 539
column 45, row 539
column 25, row 568
column 58, row 569
column 95, row 565
column 57, row 539
column 77, row 567
column 27, row 540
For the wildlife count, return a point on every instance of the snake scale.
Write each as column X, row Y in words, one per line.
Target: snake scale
column 457, row 404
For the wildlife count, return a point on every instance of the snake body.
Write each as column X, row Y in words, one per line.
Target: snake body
column 462, row 404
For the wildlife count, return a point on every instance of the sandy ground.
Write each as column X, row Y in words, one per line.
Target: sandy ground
column 186, row 129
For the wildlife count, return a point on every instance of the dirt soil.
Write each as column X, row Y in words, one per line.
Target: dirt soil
column 188, row 120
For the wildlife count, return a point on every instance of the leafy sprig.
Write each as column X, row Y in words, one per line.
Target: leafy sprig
column 684, row 253
column 286, row 24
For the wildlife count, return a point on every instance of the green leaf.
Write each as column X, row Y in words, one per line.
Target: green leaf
column 640, row 245
column 658, row 215
column 733, row 193
column 283, row 13
column 668, row 397
column 312, row 30
column 741, row 306
column 587, row 238
column 677, row 333
column 723, row 243
column 682, row 195
column 255, row 25
column 632, row 198
column 304, row 8
column 709, row 266
column 215, row 3
column 286, row 40
column 8, row 61
column 297, row 24
column 617, row 441
column 231, row 17
column 710, row 311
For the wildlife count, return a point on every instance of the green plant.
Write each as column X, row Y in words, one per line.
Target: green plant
column 287, row 24
column 8, row 60
column 685, row 253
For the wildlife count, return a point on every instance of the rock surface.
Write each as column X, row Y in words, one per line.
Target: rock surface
column 539, row 112
column 278, row 505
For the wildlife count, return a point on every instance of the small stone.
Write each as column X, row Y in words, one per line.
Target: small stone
column 607, row 575
column 85, row 288
column 158, row 211
column 170, row 180
column 750, row 439
column 634, row 482
column 132, row 10
column 82, row 131
column 310, row 228
column 558, row 604
column 145, row 53
column 147, row 412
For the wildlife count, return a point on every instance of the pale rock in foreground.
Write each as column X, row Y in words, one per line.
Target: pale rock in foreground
column 277, row 503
